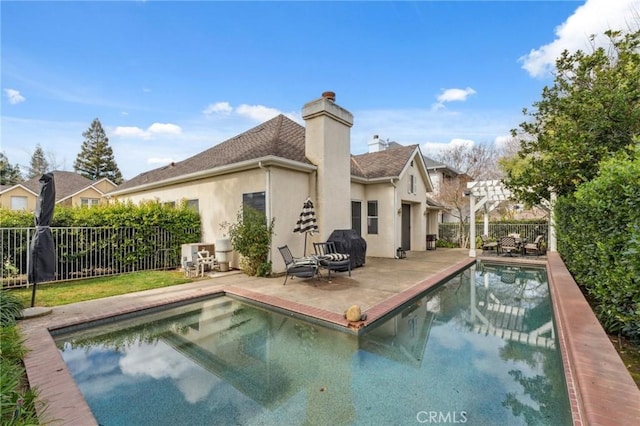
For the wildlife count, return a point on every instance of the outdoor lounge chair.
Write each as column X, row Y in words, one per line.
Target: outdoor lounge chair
column 508, row 245
column 534, row 247
column 302, row 267
column 330, row 259
column 488, row 245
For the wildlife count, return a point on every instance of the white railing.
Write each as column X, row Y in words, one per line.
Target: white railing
column 83, row 252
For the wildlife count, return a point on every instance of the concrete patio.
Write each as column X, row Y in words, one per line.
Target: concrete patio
column 601, row 390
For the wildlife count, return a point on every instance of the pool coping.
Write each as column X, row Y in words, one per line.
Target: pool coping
column 601, row 390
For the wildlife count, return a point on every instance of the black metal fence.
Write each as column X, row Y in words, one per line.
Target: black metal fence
column 451, row 232
column 84, row 252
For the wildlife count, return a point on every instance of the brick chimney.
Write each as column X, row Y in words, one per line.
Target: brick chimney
column 328, row 146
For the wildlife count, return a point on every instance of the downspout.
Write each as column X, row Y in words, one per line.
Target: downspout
column 395, row 215
column 267, row 196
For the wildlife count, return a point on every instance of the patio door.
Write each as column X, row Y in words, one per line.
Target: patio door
column 406, row 227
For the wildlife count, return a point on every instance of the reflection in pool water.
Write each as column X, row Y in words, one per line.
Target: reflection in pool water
column 479, row 349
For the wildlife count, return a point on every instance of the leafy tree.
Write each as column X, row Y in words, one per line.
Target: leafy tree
column 9, row 174
column 95, row 159
column 39, row 164
column 591, row 112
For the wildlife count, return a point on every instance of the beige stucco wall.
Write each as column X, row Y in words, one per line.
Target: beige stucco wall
column 289, row 189
column 90, row 192
column 5, row 198
column 105, row 186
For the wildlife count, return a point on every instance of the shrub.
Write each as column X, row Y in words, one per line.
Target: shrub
column 251, row 237
column 17, row 402
column 599, row 239
column 10, row 308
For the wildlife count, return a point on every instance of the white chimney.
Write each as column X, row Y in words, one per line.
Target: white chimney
column 377, row 144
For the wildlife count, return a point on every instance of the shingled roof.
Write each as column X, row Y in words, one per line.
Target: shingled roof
column 280, row 137
column 387, row 163
column 66, row 183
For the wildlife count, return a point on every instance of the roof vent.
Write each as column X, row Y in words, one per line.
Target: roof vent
column 329, row 95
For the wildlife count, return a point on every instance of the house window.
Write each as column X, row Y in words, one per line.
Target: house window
column 193, row 204
column 411, row 187
column 171, row 204
column 89, row 202
column 356, row 216
column 18, row 203
column 372, row 217
column 255, row 200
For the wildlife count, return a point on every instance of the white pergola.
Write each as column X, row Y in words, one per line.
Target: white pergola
column 487, row 195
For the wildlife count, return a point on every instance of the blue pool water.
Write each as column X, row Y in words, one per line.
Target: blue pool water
column 479, row 349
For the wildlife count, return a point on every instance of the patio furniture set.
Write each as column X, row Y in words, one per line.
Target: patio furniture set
column 513, row 244
column 325, row 257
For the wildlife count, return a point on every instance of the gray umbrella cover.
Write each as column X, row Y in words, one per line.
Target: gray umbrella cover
column 43, row 254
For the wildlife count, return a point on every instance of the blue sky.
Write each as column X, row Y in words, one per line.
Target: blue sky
column 170, row 79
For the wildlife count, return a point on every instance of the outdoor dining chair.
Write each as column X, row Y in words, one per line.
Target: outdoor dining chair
column 302, row 267
column 535, row 246
column 488, row 245
column 508, row 245
column 330, row 259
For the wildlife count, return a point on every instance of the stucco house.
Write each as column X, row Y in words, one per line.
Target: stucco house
column 72, row 189
column 276, row 165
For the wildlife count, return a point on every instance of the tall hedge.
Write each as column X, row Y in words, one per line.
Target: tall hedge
column 599, row 240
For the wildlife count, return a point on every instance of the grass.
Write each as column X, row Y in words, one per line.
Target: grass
column 49, row 295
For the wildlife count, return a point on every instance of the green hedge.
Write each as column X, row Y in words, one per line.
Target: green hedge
column 599, row 240
column 134, row 240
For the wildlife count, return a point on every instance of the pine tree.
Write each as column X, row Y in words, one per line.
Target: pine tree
column 39, row 164
column 9, row 174
column 95, row 160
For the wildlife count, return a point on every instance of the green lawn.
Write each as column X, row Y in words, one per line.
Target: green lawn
column 55, row 294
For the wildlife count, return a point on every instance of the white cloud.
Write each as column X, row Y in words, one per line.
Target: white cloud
column 453, row 95
column 218, row 108
column 257, row 112
column 14, row 96
column 156, row 129
column 164, row 128
column 430, row 149
column 592, row 18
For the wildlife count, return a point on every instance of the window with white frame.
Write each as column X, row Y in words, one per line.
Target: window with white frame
column 18, row 202
column 89, row 202
column 372, row 217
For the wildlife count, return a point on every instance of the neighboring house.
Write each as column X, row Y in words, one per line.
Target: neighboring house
column 275, row 166
column 441, row 174
column 72, row 189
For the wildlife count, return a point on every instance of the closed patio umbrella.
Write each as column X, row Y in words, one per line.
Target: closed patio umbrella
column 307, row 222
column 42, row 266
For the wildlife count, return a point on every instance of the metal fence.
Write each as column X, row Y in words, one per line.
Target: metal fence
column 84, row 252
column 450, row 232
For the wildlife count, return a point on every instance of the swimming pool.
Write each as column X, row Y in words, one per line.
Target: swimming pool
column 478, row 349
